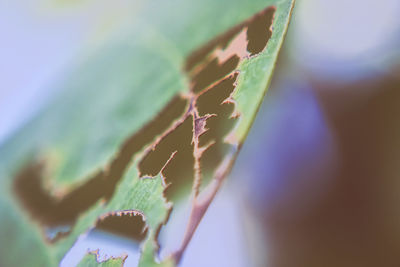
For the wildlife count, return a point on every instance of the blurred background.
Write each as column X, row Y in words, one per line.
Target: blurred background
column 318, row 180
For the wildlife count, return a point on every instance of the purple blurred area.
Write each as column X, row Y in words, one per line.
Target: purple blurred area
column 321, row 167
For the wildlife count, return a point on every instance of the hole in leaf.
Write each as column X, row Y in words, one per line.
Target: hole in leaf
column 221, row 41
column 259, row 31
column 51, row 211
column 212, row 101
column 179, row 171
column 116, row 235
column 174, row 110
column 125, row 224
column 213, row 72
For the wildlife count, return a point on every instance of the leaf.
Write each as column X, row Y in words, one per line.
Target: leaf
column 90, row 260
column 146, row 121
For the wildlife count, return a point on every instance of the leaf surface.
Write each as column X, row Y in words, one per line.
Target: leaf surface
column 155, row 115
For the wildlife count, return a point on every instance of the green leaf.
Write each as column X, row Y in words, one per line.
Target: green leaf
column 154, row 116
column 90, row 260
